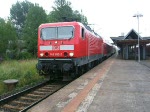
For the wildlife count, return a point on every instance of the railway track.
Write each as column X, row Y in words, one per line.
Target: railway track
column 22, row 101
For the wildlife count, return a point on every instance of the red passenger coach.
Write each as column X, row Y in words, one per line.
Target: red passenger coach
column 108, row 50
column 67, row 49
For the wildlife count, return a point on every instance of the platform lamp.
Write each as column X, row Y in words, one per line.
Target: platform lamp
column 138, row 16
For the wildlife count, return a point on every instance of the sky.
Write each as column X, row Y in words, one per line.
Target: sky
column 109, row 18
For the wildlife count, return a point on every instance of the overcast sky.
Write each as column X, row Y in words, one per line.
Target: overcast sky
column 111, row 17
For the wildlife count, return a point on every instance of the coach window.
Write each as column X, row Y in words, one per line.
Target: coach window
column 83, row 33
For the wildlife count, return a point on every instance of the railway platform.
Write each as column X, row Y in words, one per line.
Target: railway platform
column 115, row 85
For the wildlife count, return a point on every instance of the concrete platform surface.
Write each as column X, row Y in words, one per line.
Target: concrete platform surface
column 113, row 86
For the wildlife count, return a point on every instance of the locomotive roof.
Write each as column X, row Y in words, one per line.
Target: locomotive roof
column 60, row 23
column 74, row 23
column 68, row 23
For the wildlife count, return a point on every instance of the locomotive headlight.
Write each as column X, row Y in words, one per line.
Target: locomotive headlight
column 41, row 54
column 71, row 54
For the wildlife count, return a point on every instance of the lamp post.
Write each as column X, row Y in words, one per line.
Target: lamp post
column 138, row 16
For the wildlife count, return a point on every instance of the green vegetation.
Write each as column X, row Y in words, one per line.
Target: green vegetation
column 62, row 11
column 24, row 71
column 35, row 17
column 7, row 33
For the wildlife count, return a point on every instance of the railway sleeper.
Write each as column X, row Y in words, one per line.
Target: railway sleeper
column 35, row 95
column 27, row 98
column 45, row 90
column 47, row 87
column 22, row 103
column 39, row 92
column 7, row 106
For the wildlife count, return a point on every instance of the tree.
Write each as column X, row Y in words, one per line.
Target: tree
column 2, row 25
column 18, row 14
column 80, row 17
column 63, row 12
column 35, row 17
column 7, row 34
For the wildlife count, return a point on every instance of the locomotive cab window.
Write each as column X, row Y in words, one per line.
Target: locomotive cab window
column 82, row 33
column 48, row 33
column 64, row 32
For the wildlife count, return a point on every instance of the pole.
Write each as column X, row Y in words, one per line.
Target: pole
column 138, row 15
column 138, row 41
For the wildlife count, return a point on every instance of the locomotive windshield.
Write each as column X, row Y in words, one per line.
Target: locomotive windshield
column 65, row 32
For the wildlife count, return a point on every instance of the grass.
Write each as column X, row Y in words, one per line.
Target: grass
column 24, row 71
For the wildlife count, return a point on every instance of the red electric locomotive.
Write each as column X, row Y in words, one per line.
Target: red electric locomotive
column 66, row 49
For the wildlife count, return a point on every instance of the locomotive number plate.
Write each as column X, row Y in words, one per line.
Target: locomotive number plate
column 55, row 48
column 55, row 54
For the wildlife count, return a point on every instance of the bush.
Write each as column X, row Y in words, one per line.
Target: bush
column 17, row 54
column 23, row 70
column 24, row 55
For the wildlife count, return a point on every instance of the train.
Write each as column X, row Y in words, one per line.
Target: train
column 68, row 49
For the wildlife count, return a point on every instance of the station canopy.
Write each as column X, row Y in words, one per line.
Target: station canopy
column 131, row 39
